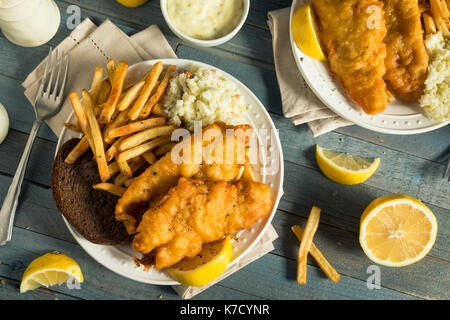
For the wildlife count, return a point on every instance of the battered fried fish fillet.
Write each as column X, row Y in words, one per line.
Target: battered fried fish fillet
column 155, row 181
column 352, row 33
column 197, row 211
column 407, row 58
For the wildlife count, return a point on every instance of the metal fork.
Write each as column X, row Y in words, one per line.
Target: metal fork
column 447, row 169
column 49, row 101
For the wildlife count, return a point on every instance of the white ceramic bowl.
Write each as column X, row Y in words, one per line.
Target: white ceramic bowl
column 205, row 43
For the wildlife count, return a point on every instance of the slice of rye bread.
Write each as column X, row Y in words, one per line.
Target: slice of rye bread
column 89, row 211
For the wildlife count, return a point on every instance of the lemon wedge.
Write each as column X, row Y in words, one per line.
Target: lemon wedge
column 209, row 264
column 48, row 270
column 344, row 168
column 132, row 3
column 397, row 230
column 305, row 32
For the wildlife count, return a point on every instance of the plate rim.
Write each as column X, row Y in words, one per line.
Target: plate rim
column 260, row 106
column 355, row 121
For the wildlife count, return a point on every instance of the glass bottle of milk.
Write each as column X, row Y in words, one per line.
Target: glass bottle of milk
column 29, row 23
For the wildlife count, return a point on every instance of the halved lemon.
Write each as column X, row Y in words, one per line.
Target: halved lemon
column 48, row 270
column 305, row 32
column 132, row 3
column 345, row 168
column 397, row 230
column 209, row 264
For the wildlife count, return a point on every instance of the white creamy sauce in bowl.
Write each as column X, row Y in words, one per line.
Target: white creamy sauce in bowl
column 205, row 19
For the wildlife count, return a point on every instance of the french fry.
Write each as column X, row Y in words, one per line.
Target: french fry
column 140, row 149
column 150, row 157
column 144, row 136
column 441, row 16
column 128, row 182
column 116, row 91
column 130, row 96
column 161, row 88
column 96, row 136
column 326, row 267
column 147, row 109
column 157, row 110
column 134, row 166
column 429, row 24
column 121, row 119
column 81, row 116
column 111, row 69
column 73, row 127
column 136, row 127
column 96, row 84
column 305, row 244
column 113, row 149
column 162, row 150
column 111, row 188
column 150, row 83
column 103, row 95
column 113, row 168
column 248, row 174
column 78, row 151
column 124, row 168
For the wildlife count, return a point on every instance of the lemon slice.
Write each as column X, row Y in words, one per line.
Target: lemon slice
column 397, row 230
column 344, row 168
column 305, row 32
column 48, row 270
column 132, row 3
column 210, row 263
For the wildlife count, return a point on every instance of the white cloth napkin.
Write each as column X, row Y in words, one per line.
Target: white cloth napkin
column 299, row 103
column 92, row 46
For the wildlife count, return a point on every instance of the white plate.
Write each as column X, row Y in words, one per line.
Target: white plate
column 119, row 259
column 399, row 117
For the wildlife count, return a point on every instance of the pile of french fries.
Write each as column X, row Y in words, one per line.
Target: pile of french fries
column 436, row 16
column 307, row 246
column 124, row 127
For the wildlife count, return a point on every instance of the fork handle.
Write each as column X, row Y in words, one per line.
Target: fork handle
column 10, row 203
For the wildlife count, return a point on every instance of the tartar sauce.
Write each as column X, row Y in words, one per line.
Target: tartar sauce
column 205, row 19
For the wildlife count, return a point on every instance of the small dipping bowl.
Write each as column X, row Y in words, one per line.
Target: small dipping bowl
column 200, row 42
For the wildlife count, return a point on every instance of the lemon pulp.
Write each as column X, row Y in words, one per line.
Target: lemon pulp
column 345, row 168
column 48, row 270
column 397, row 230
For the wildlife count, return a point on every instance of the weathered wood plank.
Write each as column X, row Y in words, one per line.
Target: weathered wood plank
column 428, row 278
column 339, row 246
column 100, row 283
column 250, row 282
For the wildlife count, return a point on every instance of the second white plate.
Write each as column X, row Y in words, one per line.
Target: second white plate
column 399, row 117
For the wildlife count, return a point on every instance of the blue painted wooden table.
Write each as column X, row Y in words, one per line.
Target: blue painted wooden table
column 410, row 164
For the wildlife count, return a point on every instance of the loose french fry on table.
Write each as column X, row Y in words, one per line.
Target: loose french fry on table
column 140, row 149
column 145, row 135
column 78, row 151
column 111, row 188
column 150, row 83
column 111, row 69
column 82, row 120
column 96, row 136
column 305, row 244
column 137, row 126
column 116, row 92
column 96, row 84
column 326, row 267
